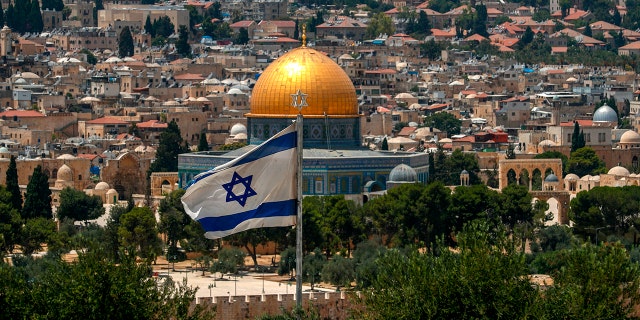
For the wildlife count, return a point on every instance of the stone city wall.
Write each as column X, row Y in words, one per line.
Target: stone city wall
column 328, row 305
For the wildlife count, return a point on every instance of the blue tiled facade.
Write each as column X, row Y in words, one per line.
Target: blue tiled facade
column 325, row 172
column 321, row 133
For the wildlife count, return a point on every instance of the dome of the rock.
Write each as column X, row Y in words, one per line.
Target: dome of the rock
column 327, row 87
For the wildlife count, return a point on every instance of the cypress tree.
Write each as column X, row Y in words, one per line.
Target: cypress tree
column 1, row 17
column 203, row 145
column 577, row 138
column 182, row 45
column 37, row 202
column 170, row 146
column 125, row 43
column 12, row 185
column 148, row 27
column 385, row 144
column 35, row 17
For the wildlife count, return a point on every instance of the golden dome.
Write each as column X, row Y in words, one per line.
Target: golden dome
column 328, row 88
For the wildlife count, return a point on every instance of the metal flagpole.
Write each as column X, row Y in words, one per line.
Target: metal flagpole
column 299, row 100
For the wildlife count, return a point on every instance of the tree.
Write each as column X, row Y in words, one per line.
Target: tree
column 163, row 27
column 78, row 206
column 480, row 21
column 587, row 31
column 595, row 282
column 287, row 262
column 37, row 202
column 577, row 138
column 108, row 290
column 34, row 233
column 148, row 27
column 91, row 58
column 2, row 20
column 444, row 122
column 35, row 18
column 250, row 240
column 431, row 49
column 339, row 271
column 203, row 145
column 138, row 233
column 585, row 161
column 541, row 15
column 229, row 260
column 423, row 25
column 453, row 285
column 182, row 45
column 10, row 222
column 379, row 24
column 125, row 43
column 242, row 37
column 170, row 146
column 12, row 185
column 385, row 144
column 527, row 38
column 365, row 258
column 312, row 266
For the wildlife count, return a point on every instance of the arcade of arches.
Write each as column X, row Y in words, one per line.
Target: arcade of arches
column 533, row 173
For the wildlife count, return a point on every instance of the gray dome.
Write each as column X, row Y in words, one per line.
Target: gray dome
column 551, row 178
column 403, row 173
column 605, row 114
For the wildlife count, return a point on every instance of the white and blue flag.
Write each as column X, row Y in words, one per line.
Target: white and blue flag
column 256, row 190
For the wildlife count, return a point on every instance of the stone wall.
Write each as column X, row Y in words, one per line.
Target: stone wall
column 328, row 305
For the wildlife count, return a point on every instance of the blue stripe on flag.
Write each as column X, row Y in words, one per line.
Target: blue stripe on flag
column 285, row 142
column 265, row 210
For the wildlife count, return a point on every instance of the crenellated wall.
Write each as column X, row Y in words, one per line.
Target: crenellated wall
column 328, row 305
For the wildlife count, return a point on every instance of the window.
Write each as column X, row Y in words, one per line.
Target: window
column 319, row 186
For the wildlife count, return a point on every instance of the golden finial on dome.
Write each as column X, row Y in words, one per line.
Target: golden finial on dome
column 304, row 35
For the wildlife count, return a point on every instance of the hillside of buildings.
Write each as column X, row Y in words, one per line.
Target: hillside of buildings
column 518, row 122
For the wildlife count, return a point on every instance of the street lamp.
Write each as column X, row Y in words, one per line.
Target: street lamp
column 598, row 229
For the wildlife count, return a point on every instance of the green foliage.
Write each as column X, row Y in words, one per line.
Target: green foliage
column 92, row 288
column 444, row 122
column 606, row 210
column 163, row 27
column 553, row 238
column 385, row 145
column 585, row 161
column 485, row 280
column 242, row 37
column 125, row 43
column 37, row 202
column 232, row 146
column 91, row 58
column 229, row 260
column 203, row 144
column 79, row 206
column 170, row 146
column 138, row 233
column 339, row 271
column 10, row 222
column 287, row 261
column 379, row 24
column 312, row 265
column 12, row 185
column 577, row 138
column 173, row 218
column 541, row 15
column 34, row 233
column 182, row 45
column 409, row 214
column 365, row 258
column 596, row 282
column 432, row 49
column 24, row 16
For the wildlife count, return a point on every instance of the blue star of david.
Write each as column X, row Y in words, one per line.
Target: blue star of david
column 248, row 191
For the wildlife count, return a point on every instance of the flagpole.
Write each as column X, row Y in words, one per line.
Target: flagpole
column 299, row 101
column 299, row 218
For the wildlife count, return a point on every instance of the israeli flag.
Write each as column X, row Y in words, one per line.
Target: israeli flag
column 256, row 190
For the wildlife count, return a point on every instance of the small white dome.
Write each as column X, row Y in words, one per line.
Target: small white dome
column 65, row 173
column 619, row 171
column 235, row 91
column 102, row 186
column 66, row 156
column 237, row 129
column 4, row 150
column 572, row 176
column 630, row 137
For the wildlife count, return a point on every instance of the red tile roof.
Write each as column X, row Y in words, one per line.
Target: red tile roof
column 582, row 123
column 152, row 124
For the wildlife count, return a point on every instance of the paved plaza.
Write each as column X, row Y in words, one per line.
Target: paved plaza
column 250, row 283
